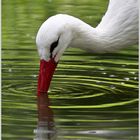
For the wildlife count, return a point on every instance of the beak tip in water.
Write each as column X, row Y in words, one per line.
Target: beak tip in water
column 46, row 72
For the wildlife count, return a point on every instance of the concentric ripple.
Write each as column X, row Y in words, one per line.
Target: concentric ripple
column 92, row 97
column 89, row 98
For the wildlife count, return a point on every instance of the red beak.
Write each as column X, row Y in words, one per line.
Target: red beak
column 45, row 75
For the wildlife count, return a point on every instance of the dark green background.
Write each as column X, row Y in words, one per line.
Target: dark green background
column 93, row 97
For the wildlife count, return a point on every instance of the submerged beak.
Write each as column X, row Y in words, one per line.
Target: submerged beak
column 45, row 75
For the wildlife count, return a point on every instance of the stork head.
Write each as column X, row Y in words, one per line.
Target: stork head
column 53, row 37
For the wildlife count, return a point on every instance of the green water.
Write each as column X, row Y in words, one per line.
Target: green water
column 92, row 97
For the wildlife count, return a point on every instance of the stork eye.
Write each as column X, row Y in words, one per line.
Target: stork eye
column 54, row 45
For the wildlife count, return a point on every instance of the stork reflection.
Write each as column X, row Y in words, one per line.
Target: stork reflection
column 45, row 128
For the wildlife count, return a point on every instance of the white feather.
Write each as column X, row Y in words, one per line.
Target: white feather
column 117, row 29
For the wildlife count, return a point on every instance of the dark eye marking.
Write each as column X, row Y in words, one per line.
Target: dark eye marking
column 54, row 45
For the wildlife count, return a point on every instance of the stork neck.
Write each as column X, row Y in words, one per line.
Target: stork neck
column 88, row 38
column 100, row 40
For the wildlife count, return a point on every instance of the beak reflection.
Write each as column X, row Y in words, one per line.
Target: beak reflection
column 46, row 127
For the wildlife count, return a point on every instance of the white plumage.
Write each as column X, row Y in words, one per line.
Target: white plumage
column 120, row 23
column 117, row 29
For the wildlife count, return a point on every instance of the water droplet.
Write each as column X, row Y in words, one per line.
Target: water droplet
column 123, row 66
column 34, row 76
column 104, row 73
column 49, row 91
column 112, row 75
column 126, row 78
column 10, row 70
column 135, row 78
column 122, row 83
column 132, row 72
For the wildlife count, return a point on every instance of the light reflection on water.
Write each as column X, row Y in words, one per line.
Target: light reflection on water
column 92, row 97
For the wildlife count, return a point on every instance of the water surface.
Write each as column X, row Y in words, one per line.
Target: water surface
column 92, row 97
